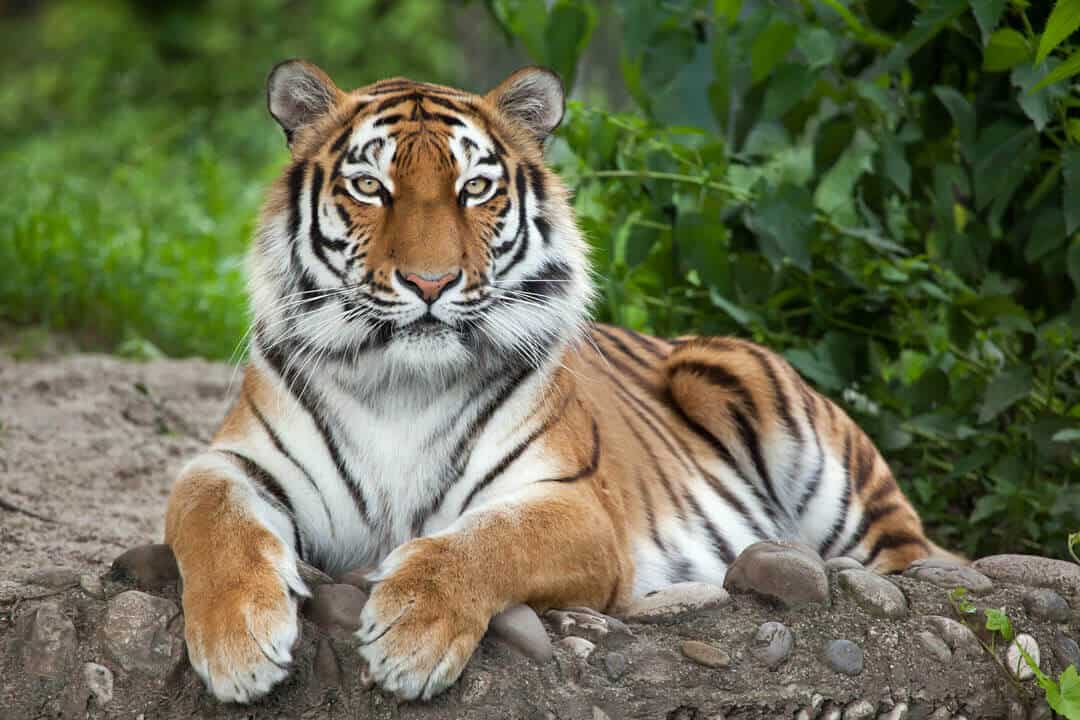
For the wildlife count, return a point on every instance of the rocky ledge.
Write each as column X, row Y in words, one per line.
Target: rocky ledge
column 789, row 636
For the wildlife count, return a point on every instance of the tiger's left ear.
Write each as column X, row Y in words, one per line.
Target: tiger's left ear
column 532, row 96
column 298, row 93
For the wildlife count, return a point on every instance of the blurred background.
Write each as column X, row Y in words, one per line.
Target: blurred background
column 885, row 191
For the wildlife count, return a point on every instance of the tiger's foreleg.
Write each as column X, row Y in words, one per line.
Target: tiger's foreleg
column 435, row 595
column 240, row 578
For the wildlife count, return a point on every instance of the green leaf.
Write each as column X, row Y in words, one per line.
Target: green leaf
column 935, row 17
column 1070, row 435
column 770, row 48
column 1007, row 48
column 1047, row 235
column 1072, row 262
column 1070, row 67
column 987, row 14
column 1036, row 104
column 569, row 26
column 727, row 10
column 1063, row 21
column 817, row 45
column 1004, row 391
column 835, row 193
column 997, row 621
column 785, row 218
column 895, row 164
column 963, row 117
column 1070, row 165
column 526, row 19
column 1064, row 695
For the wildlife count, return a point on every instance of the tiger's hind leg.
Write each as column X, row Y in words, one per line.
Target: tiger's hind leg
column 824, row 481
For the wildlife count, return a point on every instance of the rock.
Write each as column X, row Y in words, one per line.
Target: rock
column 520, row 627
column 55, row 578
column 326, row 668
column 773, row 644
column 1014, row 660
column 616, row 665
column 1033, row 571
column 675, row 600
column 48, row 641
column 580, row 647
column 899, row 712
column 949, row 575
column 337, row 605
column 843, row 563
column 788, row 572
column 93, row 681
column 935, row 646
column 137, row 634
column 149, row 567
column 860, row 710
column 705, row 654
column 1066, row 650
column 831, row 713
column 1045, row 604
column 942, row 713
column 874, row 593
column 92, row 586
column 844, row 657
column 956, row 635
column 99, row 681
column 598, row 714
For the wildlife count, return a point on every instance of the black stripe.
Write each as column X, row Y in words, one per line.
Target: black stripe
column 319, row 242
column 549, row 280
column 650, row 515
column 589, row 469
column 646, row 342
column 389, row 120
column 891, row 541
column 267, row 484
column 868, row 518
column 341, row 140
column 841, row 520
column 864, row 460
column 677, row 501
column 719, row 544
column 780, row 399
column 536, row 177
column 810, row 412
column 614, row 340
column 523, row 222
column 295, row 180
column 544, row 228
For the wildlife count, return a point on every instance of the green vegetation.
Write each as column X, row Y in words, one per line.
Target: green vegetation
column 887, row 192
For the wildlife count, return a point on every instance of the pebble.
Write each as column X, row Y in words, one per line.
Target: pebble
column 520, row 628
column 1032, row 570
column 949, row 575
column 788, row 572
column 675, row 600
column 844, row 657
column 55, row 578
column 580, row 647
column 137, row 635
column 899, row 712
column 874, row 594
column 860, row 710
column 773, row 644
column 49, row 641
column 1066, row 650
column 98, row 679
column 706, row 654
column 942, row 713
column 832, row 713
column 1045, row 604
column 598, row 714
column 148, row 567
column 616, row 665
column 337, row 605
column 1015, row 661
column 93, row 681
column 843, row 563
column 92, row 586
column 935, row 646
column 956, row 635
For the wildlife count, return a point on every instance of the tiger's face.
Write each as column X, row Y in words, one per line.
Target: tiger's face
column 417, row 228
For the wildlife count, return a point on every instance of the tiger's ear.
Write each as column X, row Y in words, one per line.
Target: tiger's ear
column 533, row 96
column 299, row 93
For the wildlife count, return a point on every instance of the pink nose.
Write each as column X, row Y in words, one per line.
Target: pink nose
column 429, row 286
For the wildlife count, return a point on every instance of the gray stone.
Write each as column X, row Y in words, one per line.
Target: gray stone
column 949, row 575
column 831, row 713
column 942, row 713
column 92, row 682
column 598, row 714
column 1015, row 661
column 874, row 593
column 773, row 644
column 899, row 712
column 935, row 646
column 148, row 567
column 137, row 634
column 785, row 571
column 337, row 605
column 48, row 641
column 56, row 578
column 959, row 637
column 1045, row 604
column 675, row 600
column 705, row 654
column 92, row 586
column 860, row 710
column 843, row 563
column 519, row 627
column 844, row 657
column 1065, row 650
column 99, row 681
column 1033, row 571
column 616, row 665
column 580, row 647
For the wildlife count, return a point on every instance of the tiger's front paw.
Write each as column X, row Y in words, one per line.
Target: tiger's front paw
column 419, row 628
column 240, row 639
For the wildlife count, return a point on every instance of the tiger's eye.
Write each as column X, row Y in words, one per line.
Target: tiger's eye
column 367, row 185
column 477, row 186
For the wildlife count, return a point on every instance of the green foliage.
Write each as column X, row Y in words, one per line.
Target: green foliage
column 887, row 193
column 137, row 150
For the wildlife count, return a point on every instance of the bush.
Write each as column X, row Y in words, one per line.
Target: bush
column 888, row 193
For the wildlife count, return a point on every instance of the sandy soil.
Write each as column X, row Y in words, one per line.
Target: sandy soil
column 89, row 445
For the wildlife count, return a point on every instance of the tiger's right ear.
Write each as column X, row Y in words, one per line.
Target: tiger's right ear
column 299, row 93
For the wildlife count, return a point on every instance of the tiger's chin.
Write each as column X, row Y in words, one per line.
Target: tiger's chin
column 436, row 351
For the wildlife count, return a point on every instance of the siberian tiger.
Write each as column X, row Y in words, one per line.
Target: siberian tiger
column 426, row 395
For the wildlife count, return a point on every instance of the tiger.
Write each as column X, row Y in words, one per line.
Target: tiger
column 425, row 395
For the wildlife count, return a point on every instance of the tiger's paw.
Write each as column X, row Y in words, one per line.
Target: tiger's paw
column 240, row 640
column 418, row 630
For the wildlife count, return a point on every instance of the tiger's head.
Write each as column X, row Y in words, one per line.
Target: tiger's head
column 417, row 229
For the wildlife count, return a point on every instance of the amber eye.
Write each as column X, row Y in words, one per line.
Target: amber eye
column 367, row 185
column 476, row 187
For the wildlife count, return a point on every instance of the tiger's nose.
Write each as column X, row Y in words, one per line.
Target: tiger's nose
column 429, row 286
